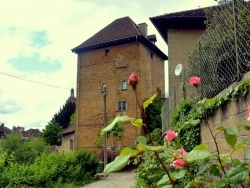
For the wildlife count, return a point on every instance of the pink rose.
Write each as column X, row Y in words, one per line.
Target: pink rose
column 133, row 79
column 170, row 135
column 179, row 163
column 194, row 81
column 182, row 150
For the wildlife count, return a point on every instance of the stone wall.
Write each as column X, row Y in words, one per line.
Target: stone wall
column 233, row 113
column 112, row 66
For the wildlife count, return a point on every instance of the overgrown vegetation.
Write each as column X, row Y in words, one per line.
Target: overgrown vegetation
column 29, row 164
column 188, row 114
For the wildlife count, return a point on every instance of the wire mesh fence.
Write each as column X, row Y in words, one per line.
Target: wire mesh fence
column 222, row 54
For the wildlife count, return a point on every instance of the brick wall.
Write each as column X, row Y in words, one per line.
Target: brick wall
column 233, row 113
column 112, row 66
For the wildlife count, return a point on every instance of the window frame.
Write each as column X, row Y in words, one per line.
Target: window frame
column 126, row 85
column 121, row 105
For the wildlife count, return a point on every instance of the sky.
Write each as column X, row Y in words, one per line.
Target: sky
column 37, row 67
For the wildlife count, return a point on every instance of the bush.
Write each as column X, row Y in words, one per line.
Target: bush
column 79, row 167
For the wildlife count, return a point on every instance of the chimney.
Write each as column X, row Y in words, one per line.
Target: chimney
column 143, row 28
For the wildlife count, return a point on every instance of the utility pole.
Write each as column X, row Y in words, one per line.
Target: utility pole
column 104, row 123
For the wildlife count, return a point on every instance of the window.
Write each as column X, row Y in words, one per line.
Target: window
column 124, row 85
column 106, row 52
column 122, row 105
column 71, row 144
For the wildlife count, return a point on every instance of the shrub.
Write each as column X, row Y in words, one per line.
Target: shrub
column 79, row 167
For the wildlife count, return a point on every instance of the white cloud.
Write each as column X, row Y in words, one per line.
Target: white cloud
column 67, row 23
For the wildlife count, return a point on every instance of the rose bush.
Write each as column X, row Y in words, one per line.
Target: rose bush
column 216, row 169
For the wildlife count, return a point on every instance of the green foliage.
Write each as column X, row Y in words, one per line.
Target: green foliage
column 52, row 133
column 53, row 170
column 23, row 151
column 153, row 114
column 149, row 172
column 188, row 114
column 73, row 118
column 116, row 133
column 63, row 117
column 180, row 168
column 156, row 136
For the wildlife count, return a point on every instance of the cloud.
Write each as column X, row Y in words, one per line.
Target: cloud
column 34, row 64
column 8, row 107
column 38, row 68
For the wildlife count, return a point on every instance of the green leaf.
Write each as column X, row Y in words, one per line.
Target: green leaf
column 231, row 139
column 153, row 148
column 111, row 125
column 198, row 155
column 149, row 101
column 137, row 122
column 193, row 122
column 248, row 155
column 220, row 184
column 178, row 175
column 119, row 163
column 220, row 128
column 163, row 180
column 233, row 130
column 237, row 175
column 129, row 151
column 246, row 127
column 142, row 140
column 215, row 170
column 192, row 184
column 167, row 186
column 126, row 118
column 202, row 146
column 230, row 135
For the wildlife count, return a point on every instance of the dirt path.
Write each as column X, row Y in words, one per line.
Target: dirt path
column 115, row 180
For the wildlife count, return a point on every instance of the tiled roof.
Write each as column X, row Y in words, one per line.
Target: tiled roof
column 120, row 31
column 70, row 129
column 189, row 19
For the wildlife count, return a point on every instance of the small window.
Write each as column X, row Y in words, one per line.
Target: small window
column 124, row 85
column 106, row 52
column 152, row 55
column 122, row 105
column 71, row 144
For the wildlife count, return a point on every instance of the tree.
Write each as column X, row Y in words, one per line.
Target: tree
column 63, row 116
column 52, row 133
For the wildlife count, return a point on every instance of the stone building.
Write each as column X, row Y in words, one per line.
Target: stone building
column 106, row 60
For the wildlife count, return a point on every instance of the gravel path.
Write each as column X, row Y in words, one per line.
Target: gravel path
column 115, row 180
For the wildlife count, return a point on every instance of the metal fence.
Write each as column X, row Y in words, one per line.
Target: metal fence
column 222, row 54
column 220, row 57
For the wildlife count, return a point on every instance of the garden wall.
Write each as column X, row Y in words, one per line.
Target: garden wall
column 232, row 113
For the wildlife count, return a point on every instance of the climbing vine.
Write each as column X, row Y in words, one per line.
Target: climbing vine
column 188, row 114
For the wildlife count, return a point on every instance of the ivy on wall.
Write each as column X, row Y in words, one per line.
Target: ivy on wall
column 188, row 114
